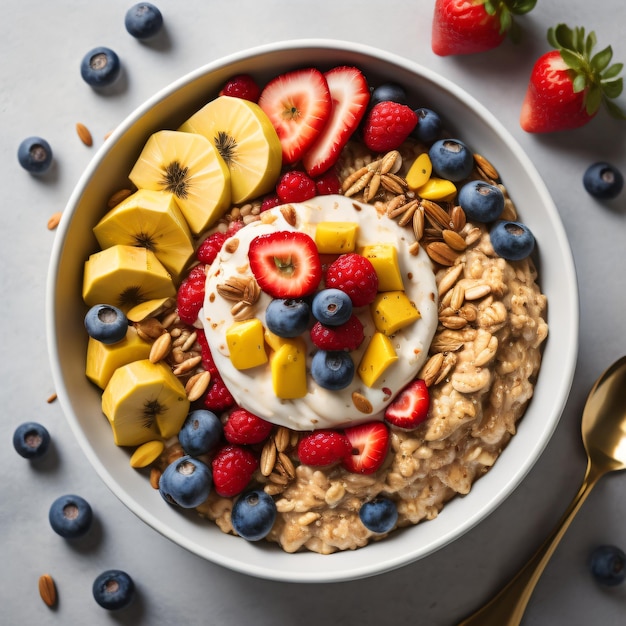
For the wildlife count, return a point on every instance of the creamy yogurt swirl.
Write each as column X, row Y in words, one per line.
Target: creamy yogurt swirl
column 322, row 408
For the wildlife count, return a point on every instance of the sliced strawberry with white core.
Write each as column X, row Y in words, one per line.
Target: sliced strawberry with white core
column 298, row 104
column 411, row 406
column 370, row 444
column 286, row 264
column 350, row 95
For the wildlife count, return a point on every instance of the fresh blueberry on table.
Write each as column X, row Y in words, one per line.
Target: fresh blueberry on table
column 113, row 589
column 511, row 240
column 143, row 20
column 253, row 515
column 603, row 181
column 379, row 515
column 331, row 307
column 35, row 155
column 481, row 201
column 201, row 431
column 388, row 92
column 186, row 482
column 31, row 440
column 100, row 67
column 608, row 565
column 428, row 127
column 287, row 317
column 70, row 516
column 451, row 159
column 332, row 369
column 106, row 323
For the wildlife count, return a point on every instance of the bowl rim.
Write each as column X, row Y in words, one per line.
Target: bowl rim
column 337, row 569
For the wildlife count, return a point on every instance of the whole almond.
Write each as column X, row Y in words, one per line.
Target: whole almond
column 47, row 590
column 84, row 134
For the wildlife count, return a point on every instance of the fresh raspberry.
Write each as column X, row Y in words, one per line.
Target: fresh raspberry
column 242, row 426
column 207, row 358
column 218, row 398
column 323, row 447
column 296, row 186
column 348, row 336
column 233, row 467
column 355, row 275
column 190, row 296
column 328, row 183
column 269, row 202
column 241, row 86
column 387, row 125
column 210, row 247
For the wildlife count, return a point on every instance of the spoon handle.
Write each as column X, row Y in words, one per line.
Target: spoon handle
column 507, row 607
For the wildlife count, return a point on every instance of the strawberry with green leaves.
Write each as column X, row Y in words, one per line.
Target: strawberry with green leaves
column 568, row 85
column 470, row 26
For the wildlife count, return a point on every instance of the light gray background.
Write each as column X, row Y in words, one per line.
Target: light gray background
column 41, row 92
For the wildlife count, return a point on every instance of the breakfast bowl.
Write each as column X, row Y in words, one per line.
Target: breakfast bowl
column 81, row 399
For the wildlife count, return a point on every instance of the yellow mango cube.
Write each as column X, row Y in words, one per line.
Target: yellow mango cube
column 392, row 311
column 384, row 258
column 246, row 345
column 437, row 189
column 419, row 172
column 336, row 237
column 288, row 367
column 378, row 356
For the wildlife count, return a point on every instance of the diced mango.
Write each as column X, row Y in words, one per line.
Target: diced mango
column 245, row 344
column 336, row 237
column 437, row 189
column 384, row 258
column 378, row 356
column 419, row 172
column 288, row 366
column 392, row 310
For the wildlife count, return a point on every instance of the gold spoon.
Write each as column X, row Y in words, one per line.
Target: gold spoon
column 604, row 438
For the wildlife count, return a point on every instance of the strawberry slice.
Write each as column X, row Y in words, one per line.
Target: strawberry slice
column 298, row 104
column 410, row 408
column 350, row 94
column 286, row 264
column 370, row 443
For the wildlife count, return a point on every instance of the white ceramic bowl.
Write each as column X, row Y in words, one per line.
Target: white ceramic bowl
column 67, row 339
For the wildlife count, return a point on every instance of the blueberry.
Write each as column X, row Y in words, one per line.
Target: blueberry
column 511, row 240
column 70, row 516
column 428, row 127
column 481, row 201
column 100, row 67
column 186, row 482
column 451, row 159
column 201, row 432
column 35, row 155
column 106, row 323
column 143, row 20
column 332, row 370
column 31, row 440
column 113, row 589
column 288, row 317
column 388, row 92
column 331, row 307
column 608, row 565
column 253, row 515
column 379, row 515
column 603, row 180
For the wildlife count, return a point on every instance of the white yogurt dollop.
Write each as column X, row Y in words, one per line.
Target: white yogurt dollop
column 321, row 408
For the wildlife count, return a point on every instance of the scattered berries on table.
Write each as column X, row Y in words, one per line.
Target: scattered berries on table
column 410, row 408
column 244, row 427
column 190, row 295
column 209, row 249
column 481, row 201
column 233, row 467
column 70, row 516
column 608, row 565
column 186, row 482
column 346, row 336
column 31, row 440
column 603, row 181
column 35, row 155
column 295, row 186
column 114, row 589
column 201, row 432
column 511, row 240
column 323, row 447
column 451, row 159
column 106, row 323
column 241, row 86
column 387, row 126
column 143, row 20
column 100, row 67
column 369, row 445
column 287, row 317
column 253, row 515
column 355, row 275
column 379, row 515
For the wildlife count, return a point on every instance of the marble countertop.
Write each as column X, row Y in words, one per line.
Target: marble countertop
column 41, row 93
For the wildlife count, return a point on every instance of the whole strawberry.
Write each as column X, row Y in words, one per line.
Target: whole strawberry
column 568, row 85
column 470, row 26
